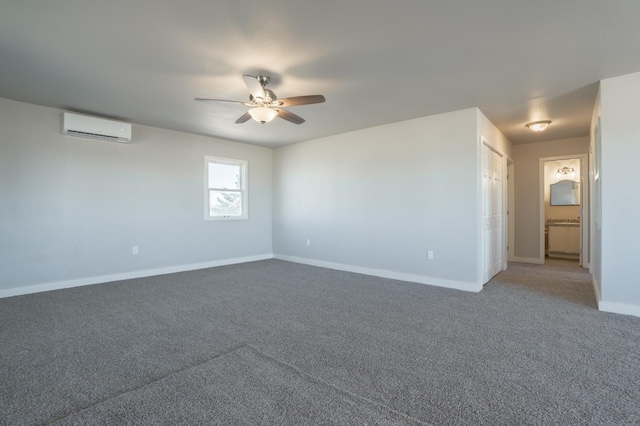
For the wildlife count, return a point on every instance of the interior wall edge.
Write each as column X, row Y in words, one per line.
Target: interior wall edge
column 596, row 289
column 58, row 285
column 619, row 308
column 419, row 279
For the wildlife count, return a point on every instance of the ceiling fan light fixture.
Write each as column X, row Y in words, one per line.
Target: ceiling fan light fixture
column 263, row 114
column 538, row 126
column 265, row 106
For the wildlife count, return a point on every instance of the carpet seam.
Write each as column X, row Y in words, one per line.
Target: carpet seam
column 337, row 388
column 144, row 385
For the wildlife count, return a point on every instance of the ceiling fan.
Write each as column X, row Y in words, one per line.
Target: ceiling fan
column 265, row 106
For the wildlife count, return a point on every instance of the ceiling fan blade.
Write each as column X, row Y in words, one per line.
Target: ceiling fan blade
column 289, row 116
column 254, row 86
column 301, row 100
column 221, row 100
column 243, row 118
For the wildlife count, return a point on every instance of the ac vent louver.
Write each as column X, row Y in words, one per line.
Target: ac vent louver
column 91, row 135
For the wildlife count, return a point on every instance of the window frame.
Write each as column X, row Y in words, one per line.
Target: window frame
column 243, row 191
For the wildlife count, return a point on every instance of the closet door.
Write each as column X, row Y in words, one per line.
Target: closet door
column 496, row 215
column 492, row 200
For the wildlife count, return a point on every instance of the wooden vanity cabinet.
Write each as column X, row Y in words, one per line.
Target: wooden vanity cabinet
column 564, row 239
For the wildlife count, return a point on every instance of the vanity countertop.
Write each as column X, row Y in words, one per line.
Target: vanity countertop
column 563, row 222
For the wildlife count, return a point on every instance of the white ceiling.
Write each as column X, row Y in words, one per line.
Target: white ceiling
column 376, row 62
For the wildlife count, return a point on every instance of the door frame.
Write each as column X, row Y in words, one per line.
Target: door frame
column 511, row 207
column 584, row 205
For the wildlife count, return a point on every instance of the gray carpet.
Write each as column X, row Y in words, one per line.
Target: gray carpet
column 243, row 387
column 274, row 342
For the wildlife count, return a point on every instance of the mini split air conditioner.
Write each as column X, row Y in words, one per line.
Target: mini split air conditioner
column 85, row 126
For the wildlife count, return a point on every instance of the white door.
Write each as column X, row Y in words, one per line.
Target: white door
column 492, row 200
column 496, row 222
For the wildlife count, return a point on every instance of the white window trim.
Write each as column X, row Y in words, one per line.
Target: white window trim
column 244, row 190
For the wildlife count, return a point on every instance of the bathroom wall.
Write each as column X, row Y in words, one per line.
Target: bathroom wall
column 551, row 177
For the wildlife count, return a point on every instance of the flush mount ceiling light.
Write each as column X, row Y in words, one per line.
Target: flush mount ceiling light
column 263, row 114
column 538, row 126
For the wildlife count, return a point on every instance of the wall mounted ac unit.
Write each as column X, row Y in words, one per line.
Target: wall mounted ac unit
column 85, row 126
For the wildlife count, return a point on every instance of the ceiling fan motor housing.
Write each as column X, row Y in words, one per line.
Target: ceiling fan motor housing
column 263, row 79
column 269, row 97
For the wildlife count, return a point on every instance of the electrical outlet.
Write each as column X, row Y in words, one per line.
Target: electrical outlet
column 308, row 242
column 134, row 250
column 430, row 255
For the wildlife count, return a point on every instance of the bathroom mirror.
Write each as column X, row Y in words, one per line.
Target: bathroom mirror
column 565, row 193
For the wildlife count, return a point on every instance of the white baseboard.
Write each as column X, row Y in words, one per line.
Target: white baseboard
column 421, row 279
column 596, row 289
column 619, row 308
column 18, row 291
column 613, row 307
column 534, row 260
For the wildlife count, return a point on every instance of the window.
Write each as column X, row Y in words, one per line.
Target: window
column 225, row 189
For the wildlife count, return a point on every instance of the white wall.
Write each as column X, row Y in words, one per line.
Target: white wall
column 620, row 250
column 495, row 137
column 596, row 204
column 73, row 208
column 378, row 199
column 527, row 191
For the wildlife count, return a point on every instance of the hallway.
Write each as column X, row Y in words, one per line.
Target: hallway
column 557, row 278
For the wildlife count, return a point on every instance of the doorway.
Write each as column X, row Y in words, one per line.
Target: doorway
column 564, row 216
